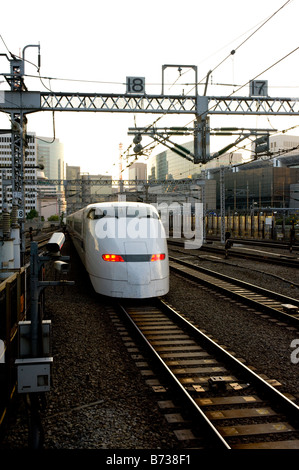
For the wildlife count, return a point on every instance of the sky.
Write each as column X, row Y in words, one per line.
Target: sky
column 92, row 46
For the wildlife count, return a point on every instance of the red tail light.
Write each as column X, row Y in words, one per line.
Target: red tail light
column 158, row 257
column 113, row 258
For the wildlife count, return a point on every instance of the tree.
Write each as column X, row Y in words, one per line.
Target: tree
column 53, row 218
column 32, row 214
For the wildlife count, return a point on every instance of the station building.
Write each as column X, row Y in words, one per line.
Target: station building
column 267, row 183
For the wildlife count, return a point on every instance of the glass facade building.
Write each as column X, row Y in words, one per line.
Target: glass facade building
column 264, row 187
column 261, row 184
column 51, row 155
column 169, row 165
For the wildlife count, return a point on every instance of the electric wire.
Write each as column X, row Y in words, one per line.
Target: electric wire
column 247, row 83
column 247, row 39
column 5, row 45
column 240, row 87
column 260, row 25
column 238, row 47
column 38, row 70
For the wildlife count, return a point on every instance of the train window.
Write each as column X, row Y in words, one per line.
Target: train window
column 123, row 212
column 91, row 214
column 100, row 213
column 127, row 212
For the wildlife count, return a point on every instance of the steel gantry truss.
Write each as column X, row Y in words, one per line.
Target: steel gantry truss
column 29, row 102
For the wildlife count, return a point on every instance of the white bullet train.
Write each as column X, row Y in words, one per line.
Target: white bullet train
column 123, row 247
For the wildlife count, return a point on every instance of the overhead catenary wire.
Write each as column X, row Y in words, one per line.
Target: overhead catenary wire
column 254, row 78
column 5, row 45
column 234, row 51
column 38, row 69
column 240, row 87
column 261, row 25
column 245, row 40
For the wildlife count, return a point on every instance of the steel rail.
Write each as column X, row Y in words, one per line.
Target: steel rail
column 279, row 259
column 137, row 320
column 274, row 303
column 176, row 382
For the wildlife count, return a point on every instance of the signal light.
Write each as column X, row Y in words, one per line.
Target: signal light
column 113, row 258
column 138, row 147
column 158, row 257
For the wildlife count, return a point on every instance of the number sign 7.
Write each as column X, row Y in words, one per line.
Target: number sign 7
column 259, row 88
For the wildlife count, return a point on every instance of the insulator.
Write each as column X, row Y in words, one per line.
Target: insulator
column 14, row 215
column 137, row 139
column 137, row 148
column 6, row 223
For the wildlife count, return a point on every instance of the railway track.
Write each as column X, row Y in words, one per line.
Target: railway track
column 247, row 253
column 279, row 306
column 258, row 242
column 224, row 400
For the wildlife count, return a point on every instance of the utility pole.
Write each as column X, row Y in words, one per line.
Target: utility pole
column 18, row 140
column 222, row 204
column 18, row 147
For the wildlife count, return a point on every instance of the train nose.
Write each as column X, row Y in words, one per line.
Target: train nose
column 138, row 273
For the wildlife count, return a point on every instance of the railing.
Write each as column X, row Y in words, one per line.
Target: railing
column 249, row 226
column 13, row 308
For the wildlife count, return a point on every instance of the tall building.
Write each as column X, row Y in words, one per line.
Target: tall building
column 44, row 152
column 138, row 171
column 30, row 171
column 73, row 193
column 51, row 155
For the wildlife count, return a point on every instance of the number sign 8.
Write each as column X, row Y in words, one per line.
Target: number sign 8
column 136, row 85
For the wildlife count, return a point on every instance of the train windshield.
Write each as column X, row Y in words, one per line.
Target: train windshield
column 118, row 212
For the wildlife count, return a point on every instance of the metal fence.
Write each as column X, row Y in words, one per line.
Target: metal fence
column 249, row 226
column 14, row 298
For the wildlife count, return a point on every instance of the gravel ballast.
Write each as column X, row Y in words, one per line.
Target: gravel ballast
column 99, row 399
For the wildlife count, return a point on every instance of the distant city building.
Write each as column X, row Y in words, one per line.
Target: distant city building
column 283, row 144
column 49, row 201
column 72, row 172
column 51, row 155
column 95, row 188
column 87, row 189
column 261, row 184
column 39, row 152
column 170, row 165
column 73, row 193
column 266, row 183
column 30, row 172
column 138, row 171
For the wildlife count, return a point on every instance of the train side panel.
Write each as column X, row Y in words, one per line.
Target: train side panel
column 75, row 225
